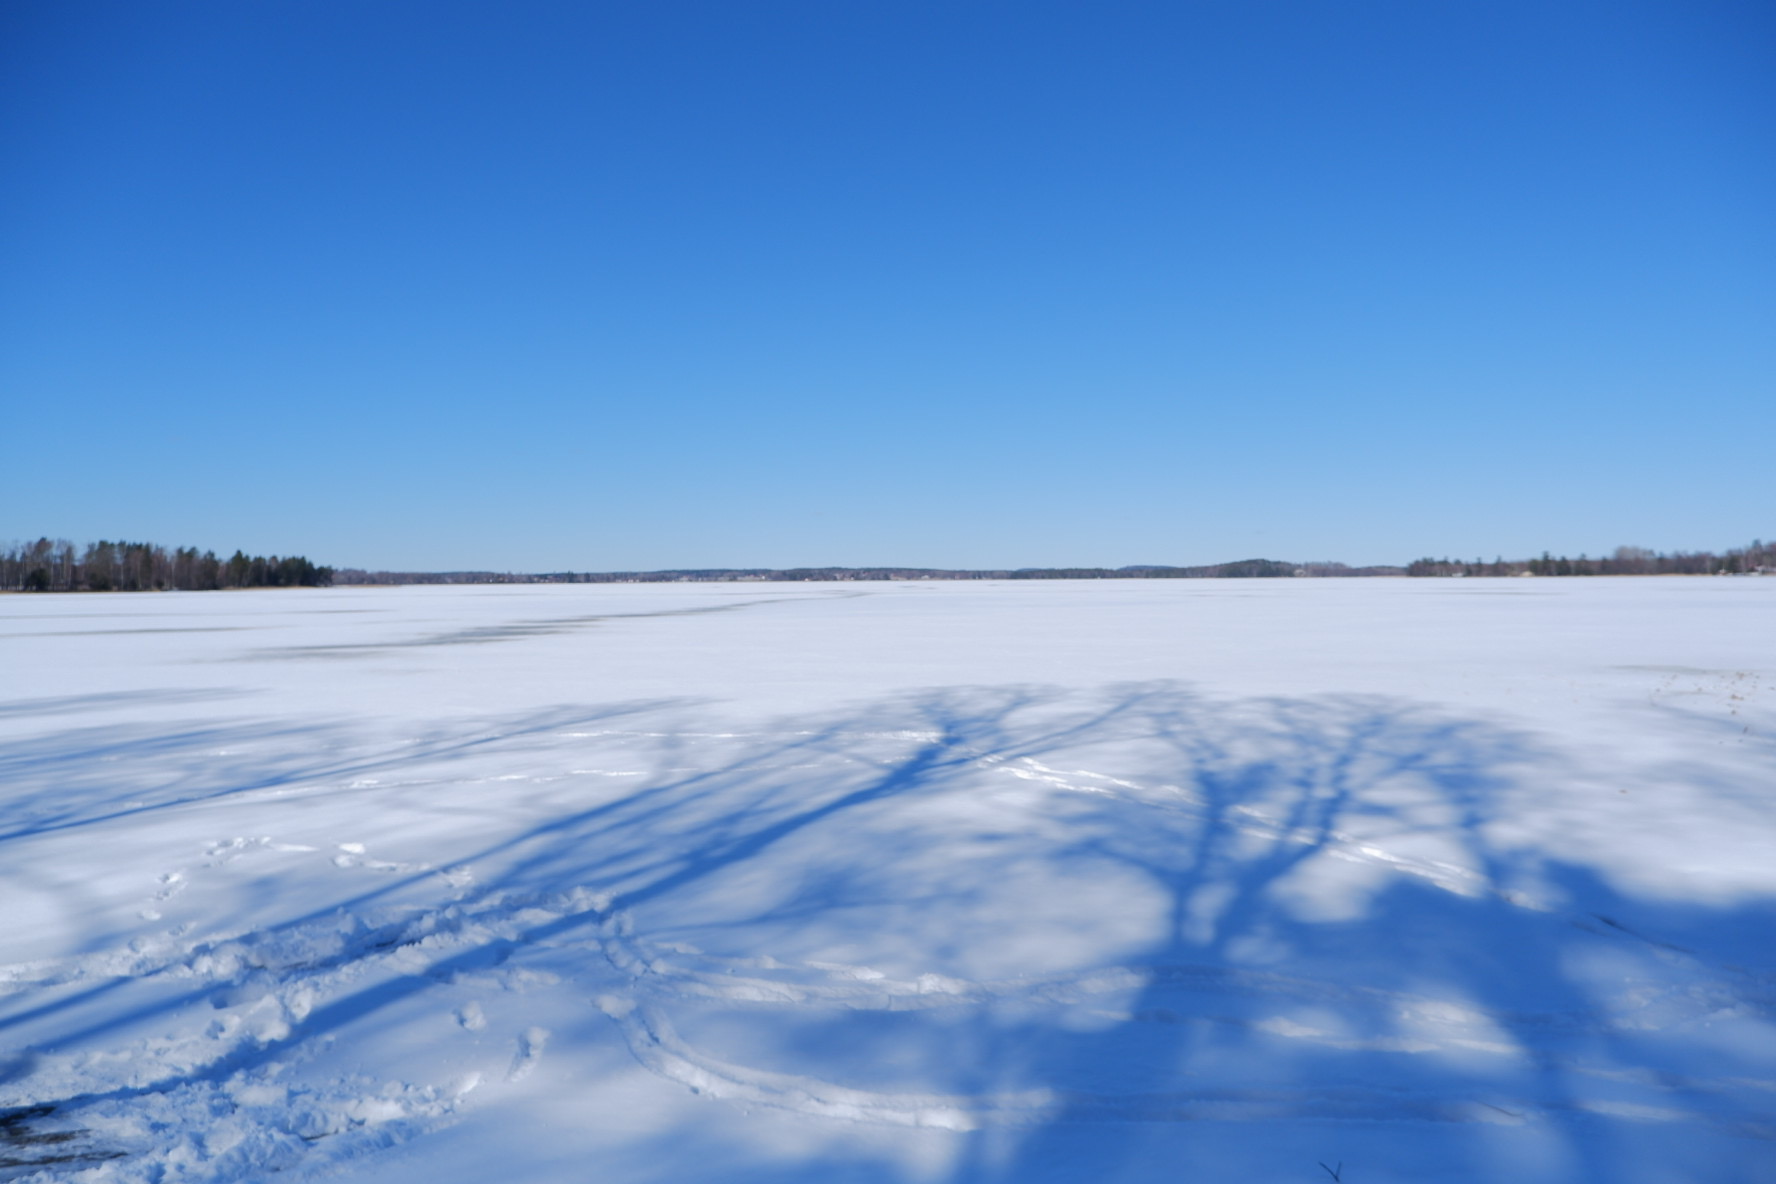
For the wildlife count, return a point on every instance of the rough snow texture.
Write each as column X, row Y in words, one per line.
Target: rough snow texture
column 1196, row 880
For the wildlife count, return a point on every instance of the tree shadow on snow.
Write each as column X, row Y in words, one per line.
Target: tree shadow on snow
column 1406, row 1013
column 1110, row 938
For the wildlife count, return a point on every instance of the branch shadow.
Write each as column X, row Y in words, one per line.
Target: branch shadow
column 1110, row 937
column 1486, row 985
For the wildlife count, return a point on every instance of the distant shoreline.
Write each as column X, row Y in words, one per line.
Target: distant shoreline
column 432, row 580
column 46, row 566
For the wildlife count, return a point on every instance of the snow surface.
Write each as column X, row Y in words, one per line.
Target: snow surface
column 1460, row 880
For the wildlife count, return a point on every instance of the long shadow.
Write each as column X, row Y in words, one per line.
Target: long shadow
column 82, row 777
column 568, row 849
column 1542, row 1043
column 1448, row 983
column 606, row 844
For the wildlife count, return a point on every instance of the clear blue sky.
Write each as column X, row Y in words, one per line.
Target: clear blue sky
column 655, row 284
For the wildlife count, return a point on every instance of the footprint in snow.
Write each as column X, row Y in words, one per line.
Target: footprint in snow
column 530, row 1051
column 352, row 855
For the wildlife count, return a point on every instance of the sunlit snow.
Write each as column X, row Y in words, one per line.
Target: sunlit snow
column 1213, row 880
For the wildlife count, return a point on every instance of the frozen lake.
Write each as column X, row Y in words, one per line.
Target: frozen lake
column 1217, row 880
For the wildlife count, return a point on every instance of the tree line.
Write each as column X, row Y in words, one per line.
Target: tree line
column 1626, row 561
column 56, row 565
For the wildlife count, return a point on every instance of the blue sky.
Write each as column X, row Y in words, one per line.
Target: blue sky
column 595, row 286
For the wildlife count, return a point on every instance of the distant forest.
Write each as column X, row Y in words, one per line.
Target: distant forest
column 58, row 566
column 1760, row 557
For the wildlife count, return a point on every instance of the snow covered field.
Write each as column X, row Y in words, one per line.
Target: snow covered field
column 1458, row 880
